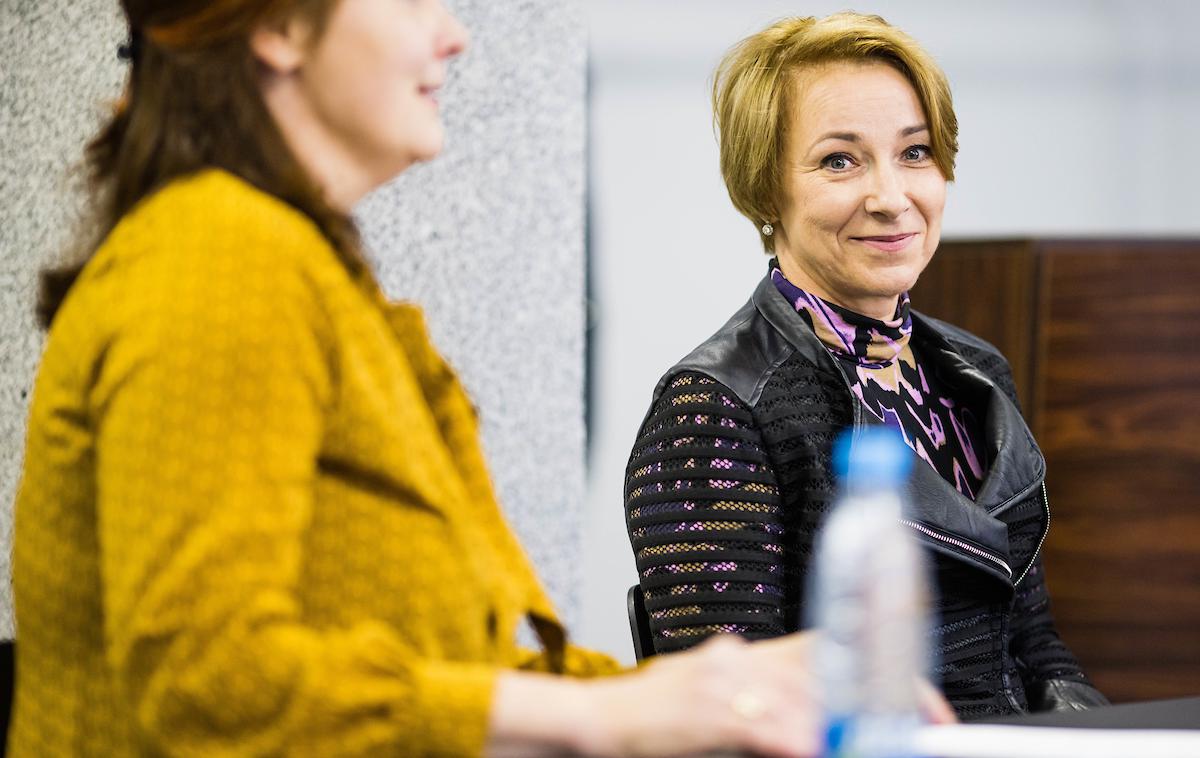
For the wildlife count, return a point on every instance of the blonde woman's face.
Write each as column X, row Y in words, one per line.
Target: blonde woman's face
column 863, row 198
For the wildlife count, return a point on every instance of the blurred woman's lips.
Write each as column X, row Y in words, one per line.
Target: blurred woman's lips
column 430, row 92
column 889, row 243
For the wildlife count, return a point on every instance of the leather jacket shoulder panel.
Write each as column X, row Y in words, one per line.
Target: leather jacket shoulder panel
column 742, row 354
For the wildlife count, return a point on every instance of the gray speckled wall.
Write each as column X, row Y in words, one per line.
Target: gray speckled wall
column 489, row 237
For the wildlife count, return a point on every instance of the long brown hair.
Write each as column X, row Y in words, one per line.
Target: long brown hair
column 192, row 101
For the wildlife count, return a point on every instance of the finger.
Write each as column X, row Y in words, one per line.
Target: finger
column 786, row 731
column 720, row 641
column 788, row 683
column 787, row 726
column 795, row 649
column 933, row 705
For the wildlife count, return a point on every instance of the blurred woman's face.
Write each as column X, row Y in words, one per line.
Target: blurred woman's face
column 372, row 79
column 863, row 198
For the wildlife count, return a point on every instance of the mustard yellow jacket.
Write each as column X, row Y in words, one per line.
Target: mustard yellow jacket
column 255, row 517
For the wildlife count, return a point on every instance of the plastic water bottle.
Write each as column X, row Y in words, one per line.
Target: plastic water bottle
column 869, row 599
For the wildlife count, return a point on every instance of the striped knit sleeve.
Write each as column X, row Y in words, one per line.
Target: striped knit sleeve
column 703, row 511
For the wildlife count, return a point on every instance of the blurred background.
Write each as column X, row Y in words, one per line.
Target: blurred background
column 1078, row 118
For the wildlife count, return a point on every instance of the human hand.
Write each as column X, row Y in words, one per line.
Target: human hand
column 933, row 705
column 723, row 696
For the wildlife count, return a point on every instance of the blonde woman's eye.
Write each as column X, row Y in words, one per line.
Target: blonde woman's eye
column 917, row 153
column 837, row 162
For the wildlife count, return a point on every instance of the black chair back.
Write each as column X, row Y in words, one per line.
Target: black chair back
column 639, row 623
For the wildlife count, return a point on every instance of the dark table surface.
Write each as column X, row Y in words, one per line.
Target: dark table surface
column 1183, row 713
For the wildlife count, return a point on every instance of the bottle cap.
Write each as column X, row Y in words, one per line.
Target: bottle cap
column 876, row 457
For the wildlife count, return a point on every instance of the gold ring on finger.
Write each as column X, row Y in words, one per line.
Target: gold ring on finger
column 748, row 705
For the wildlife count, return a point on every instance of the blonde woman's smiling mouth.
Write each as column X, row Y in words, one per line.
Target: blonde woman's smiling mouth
column 888, row 243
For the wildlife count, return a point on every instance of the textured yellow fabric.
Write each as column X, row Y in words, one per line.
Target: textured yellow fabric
column 255, row 517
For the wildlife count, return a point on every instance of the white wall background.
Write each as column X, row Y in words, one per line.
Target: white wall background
column 1077, row 117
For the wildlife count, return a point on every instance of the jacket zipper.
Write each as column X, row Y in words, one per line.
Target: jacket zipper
column 1006, row 673
column 959, row 544
column 1042, row 540
column 971, row 549
column 857, row 425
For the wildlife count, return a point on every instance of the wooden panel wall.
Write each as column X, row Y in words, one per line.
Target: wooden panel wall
column 989, row 288
column 1109, row 369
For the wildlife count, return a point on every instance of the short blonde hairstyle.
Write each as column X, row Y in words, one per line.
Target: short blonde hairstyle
column 754, row 84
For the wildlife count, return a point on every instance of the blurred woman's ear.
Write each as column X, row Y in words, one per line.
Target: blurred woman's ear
column 282, row 45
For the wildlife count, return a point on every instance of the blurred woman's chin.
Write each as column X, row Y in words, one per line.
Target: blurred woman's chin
column 393, row 162
column 427, row 148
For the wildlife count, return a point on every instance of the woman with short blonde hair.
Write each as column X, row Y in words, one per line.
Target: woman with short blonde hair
column 754, row 94
column 837, row 140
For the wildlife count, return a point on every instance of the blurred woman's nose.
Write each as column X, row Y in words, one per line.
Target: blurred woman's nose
column 888, row 194
column 454, row 36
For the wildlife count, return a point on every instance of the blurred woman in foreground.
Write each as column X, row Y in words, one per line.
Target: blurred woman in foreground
column 254, row 517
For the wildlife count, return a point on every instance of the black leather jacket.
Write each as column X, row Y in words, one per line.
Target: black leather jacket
column 730, row 478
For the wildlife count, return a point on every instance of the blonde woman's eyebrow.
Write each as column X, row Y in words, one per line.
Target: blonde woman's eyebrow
column 843, row 136
column 854, row 137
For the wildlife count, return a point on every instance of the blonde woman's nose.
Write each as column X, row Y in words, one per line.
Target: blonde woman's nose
column 887, row 194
